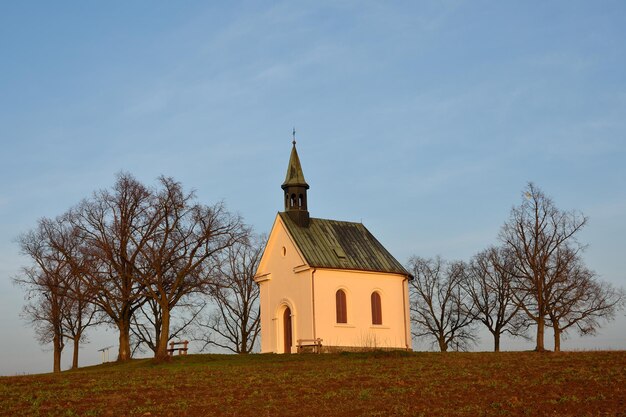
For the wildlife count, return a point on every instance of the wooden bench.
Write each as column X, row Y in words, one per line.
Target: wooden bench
column 181, row 350
column 316, row 344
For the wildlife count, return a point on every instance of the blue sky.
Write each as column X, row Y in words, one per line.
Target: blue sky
column 425, row 120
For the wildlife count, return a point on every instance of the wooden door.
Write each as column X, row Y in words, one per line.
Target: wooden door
column 287, row 329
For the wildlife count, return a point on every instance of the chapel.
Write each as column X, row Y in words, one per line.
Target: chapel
column 328, row 285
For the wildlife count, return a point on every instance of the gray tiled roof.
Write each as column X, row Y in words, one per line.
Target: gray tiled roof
column 341, row 245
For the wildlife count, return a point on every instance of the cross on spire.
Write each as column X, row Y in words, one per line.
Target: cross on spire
column 294, row 136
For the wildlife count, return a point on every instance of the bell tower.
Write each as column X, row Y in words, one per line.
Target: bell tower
column 295, row 189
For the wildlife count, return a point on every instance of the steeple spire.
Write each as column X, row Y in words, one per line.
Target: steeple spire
column 295, row 176
column 295, row 187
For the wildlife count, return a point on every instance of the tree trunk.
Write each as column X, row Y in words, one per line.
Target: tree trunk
column 57, row 349
column 540, row 330
column 496, row 342
column 557, row 339
column 124, row 348
column 244, row 340
column 164, row 337
column 77, row 337
column 443, row 346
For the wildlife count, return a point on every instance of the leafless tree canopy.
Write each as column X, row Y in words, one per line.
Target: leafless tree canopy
column 181, row 257
column 150, row 244
column 441, row 307
column 234, row 324
column 59, row 304
column 490, row 286
column 536, row 233
column 551, row 283
column 114, row 226
column 578, row 299
column 126, row 251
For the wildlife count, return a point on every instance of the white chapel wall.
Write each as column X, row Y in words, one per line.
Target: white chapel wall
column 284, row 287
column 359, row 331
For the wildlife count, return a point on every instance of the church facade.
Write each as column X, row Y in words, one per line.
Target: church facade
column 328, row 285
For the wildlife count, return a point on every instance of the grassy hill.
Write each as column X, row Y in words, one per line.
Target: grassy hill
column 373, row 384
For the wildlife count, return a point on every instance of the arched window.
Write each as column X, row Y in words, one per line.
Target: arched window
column 293, row 200
column 377, row 312
column 300, row 201
column 342, row 311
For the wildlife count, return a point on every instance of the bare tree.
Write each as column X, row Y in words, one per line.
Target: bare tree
column 490, row 287
column 146, row 327
column 45, row 285
column 79, row 312
column 440, row 304
column 578, row 300
column 148, row 323
column 235, row 323
column 114, row 226
column 130, row 245
column 181, row 257
column 78, row 315
column 536, row 230
column 43, row 312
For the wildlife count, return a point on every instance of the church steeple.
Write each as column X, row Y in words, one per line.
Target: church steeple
column 295, row 187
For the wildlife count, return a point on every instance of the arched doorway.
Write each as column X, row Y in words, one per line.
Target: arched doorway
column 287, row 330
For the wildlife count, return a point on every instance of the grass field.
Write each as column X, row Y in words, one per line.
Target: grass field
column 371, row 384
